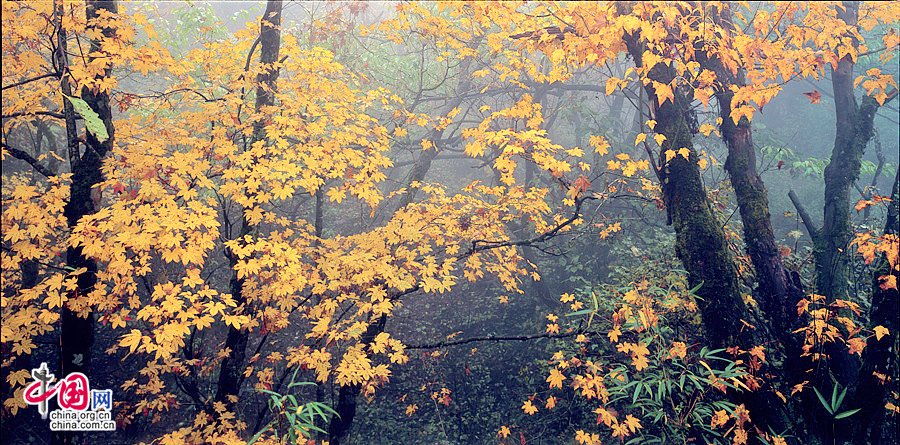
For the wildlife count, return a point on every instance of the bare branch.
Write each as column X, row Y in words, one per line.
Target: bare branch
column 19, row 154
column 442, row 344
column 35, row 113
column 23, row 82
column 807, row 221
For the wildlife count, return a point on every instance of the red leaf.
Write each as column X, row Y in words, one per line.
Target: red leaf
column 581, row 184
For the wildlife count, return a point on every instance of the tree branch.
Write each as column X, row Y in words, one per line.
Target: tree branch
column 442, row 344
column 35, row 113
column 527, row 242
column 807, row 221
column 23, row 82
column 19, row 154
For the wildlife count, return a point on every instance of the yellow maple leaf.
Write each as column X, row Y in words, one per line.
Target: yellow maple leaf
column 684, row 152
column 551, row 402
column 640, row 138
column 888, row 282
column 669, row 155
column 659, row 138
column 529, row 408
column 614, row 335
column 720, row 418
column 856, row 345
column 611, row 84
column 131, row 340
column 663, row 92
column 678, row 349
column 555, row 379
column 880, row 331
column 504, row 431
column 633, row 423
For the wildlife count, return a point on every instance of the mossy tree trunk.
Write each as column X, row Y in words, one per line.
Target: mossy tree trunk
column 832, row 252
column 854, row 128
column 778, row 293
column 777, row 290
column 700, row 239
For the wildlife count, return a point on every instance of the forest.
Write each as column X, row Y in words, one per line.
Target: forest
column 346, row 222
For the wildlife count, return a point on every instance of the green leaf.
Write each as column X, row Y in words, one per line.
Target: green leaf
column 91, row 119
column 833, row 398
column 847, row 413
column 840, row 399
column 581, row 312
column 260, row 433
column 822, row 400
column 695, row 289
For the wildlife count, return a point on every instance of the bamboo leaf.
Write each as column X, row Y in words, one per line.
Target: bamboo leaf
column 846, row 414
column 824, row 403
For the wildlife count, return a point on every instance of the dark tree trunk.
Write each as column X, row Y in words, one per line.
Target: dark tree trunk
column 700, row 240
column 230, row 376
column 880, row 355
column 832, row 250
column 777, row 292
column 77, row 320
column 854, row 128
column 339, row 427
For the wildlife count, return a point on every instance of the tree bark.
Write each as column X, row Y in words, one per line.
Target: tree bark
column 700, row 240
column 854, row 128
column 777, row 292
column 871, row 391
column 77, row 331
column 339, row 427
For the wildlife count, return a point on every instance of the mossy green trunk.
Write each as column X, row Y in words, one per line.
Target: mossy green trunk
column 777, row 292
column 700, row 239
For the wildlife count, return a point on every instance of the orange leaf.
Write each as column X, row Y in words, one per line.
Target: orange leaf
column 814, row 96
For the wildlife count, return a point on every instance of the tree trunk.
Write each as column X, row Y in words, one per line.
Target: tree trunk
column 700, row 240
column 777, row 292
column 854, row 125
column 230, row 377
column 77, row 326
column 880, row 355
column 832, row 251
column 339, row 427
